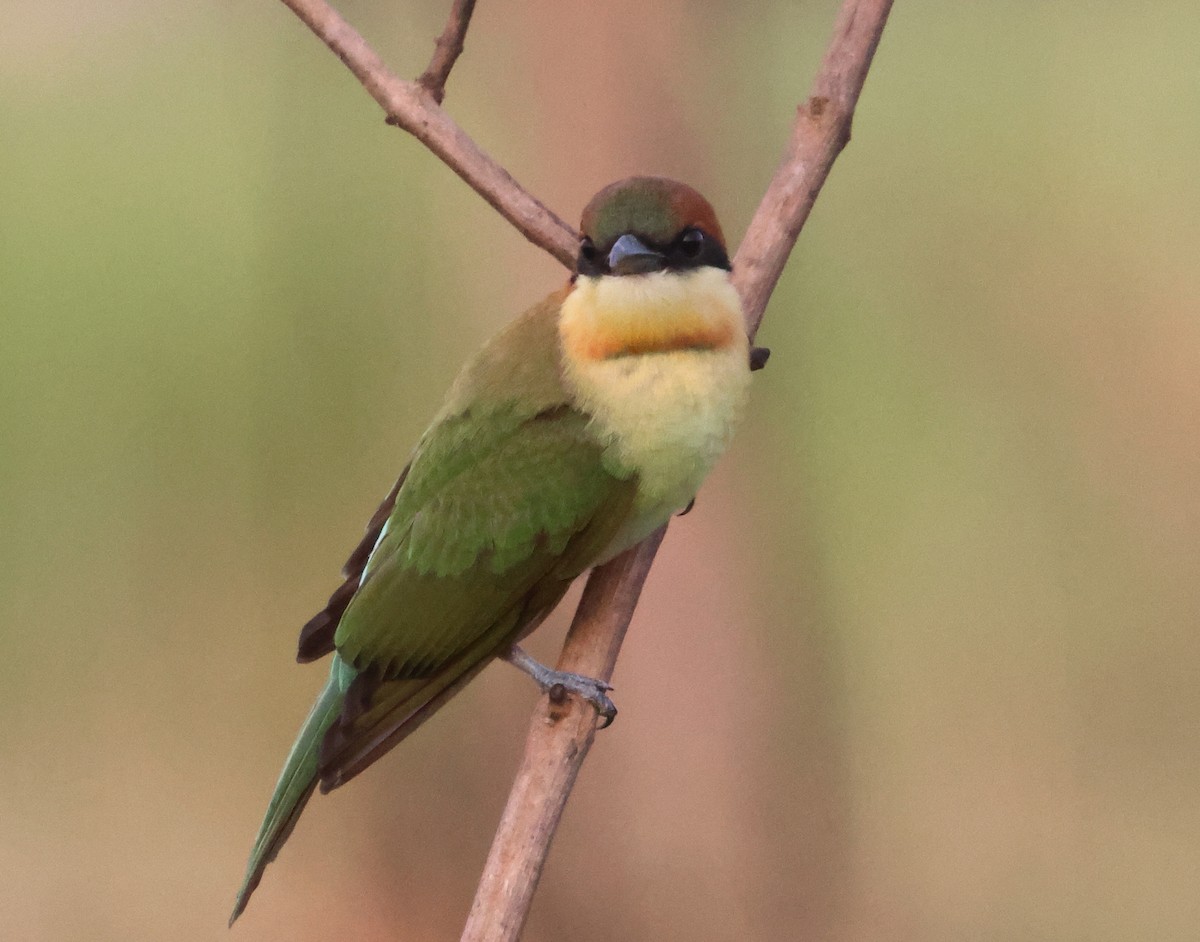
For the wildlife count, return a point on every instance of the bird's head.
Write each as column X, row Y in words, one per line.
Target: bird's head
column 652, row 276
column 648, row 224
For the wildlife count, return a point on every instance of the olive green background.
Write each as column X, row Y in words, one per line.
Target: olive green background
column 923, row 664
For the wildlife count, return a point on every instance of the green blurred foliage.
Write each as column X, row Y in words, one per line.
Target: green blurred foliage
column 941, row 599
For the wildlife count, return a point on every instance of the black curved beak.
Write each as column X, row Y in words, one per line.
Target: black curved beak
column 631, row 256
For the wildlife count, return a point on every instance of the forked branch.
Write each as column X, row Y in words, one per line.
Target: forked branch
column 411, row 106
column 561, row 732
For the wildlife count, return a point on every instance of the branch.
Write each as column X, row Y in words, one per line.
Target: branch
column 820, row 131
column 559, row 741
column 411, row 106
column 560, row 735
column 448, row 48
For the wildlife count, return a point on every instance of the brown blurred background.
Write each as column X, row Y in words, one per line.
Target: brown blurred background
column 922, row 665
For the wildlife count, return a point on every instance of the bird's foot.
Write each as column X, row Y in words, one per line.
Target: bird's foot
column 559, row 683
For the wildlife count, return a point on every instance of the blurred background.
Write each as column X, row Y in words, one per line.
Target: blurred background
column 940, row 599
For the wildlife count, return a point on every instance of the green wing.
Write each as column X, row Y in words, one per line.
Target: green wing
column 507, row 499
column 489, row 509
column 496, row 517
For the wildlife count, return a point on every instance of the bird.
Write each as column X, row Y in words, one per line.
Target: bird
column 573, row 434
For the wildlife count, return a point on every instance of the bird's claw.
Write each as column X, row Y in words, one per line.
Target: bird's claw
column 559, row 683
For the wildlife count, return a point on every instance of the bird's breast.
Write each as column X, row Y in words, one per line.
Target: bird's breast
column 666, row 409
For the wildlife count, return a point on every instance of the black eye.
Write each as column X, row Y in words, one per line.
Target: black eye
column 591, row 260
column 691, row 243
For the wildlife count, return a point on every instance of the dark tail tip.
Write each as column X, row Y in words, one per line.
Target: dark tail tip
column 253, row 878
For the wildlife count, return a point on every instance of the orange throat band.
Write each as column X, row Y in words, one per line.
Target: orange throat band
column 655, row 314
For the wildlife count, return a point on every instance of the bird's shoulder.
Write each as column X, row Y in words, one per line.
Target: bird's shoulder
column 521, row 365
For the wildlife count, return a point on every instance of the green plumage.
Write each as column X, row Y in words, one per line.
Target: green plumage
column 470, row 538
column 633, row 209
column 509, row 496
column 296, row 784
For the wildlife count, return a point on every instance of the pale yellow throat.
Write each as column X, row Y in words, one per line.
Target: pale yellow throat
column 611, row 316
column 661, row 363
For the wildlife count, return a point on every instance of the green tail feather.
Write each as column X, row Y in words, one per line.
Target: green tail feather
column 296, row 782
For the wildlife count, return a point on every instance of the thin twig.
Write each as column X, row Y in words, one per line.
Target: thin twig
column 410, row 106
column 447, row 49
